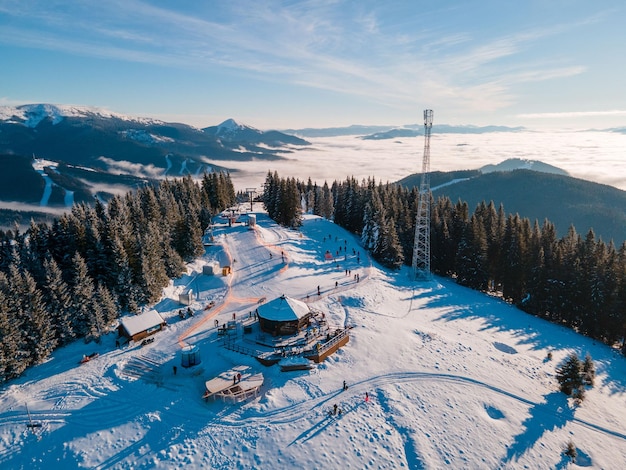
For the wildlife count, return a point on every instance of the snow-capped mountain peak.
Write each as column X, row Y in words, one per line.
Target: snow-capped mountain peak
column 230, row 125
column 30, row 115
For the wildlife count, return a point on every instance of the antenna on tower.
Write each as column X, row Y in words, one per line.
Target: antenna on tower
column 421, row 246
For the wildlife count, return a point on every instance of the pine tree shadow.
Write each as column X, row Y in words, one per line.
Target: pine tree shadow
column 553, row 413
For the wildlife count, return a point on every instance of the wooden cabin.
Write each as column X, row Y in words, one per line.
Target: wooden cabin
column 139, row 326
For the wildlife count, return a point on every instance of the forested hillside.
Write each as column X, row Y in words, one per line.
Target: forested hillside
column 574, row 280
column 72, row 279
column 564, row 200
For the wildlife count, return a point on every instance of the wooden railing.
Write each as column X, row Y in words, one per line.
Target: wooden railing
column 323, row 347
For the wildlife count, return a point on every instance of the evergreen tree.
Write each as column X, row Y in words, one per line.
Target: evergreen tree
column 388, row 250
column 38, row 338
column 84, row 317
column 588, row 371
column 13, row 356
column 326, row 206
column 373, row 220
column 515, row 243
column 41, row 334
column 472, row 257
column 110, row 308
column 58, row 300
column 187, row 241
column 568, row 374
column 150, row 275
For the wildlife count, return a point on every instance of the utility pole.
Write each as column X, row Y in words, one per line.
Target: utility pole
column 421, row 246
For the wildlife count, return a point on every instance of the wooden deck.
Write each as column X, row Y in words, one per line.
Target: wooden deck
column 323, row 350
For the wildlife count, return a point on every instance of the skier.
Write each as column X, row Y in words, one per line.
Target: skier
column 335, row 409
column 367, row 397
column 345, row 385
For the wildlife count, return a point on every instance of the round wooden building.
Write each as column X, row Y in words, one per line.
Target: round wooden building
column 284, row 316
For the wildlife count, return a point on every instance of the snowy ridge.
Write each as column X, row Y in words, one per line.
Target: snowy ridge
column 31, row 115
column 143, row 136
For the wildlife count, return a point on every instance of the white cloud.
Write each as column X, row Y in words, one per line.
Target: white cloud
column 573, row 114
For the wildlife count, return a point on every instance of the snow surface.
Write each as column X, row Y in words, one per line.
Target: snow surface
column 39, row 165
column 455, row 379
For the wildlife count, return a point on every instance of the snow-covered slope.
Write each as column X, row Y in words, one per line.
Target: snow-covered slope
column 454, row 379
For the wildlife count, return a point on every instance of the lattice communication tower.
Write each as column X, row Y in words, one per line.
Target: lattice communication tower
column 421, row 246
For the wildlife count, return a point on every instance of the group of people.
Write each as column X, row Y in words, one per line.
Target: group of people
column 182, row 315
column 336, row 411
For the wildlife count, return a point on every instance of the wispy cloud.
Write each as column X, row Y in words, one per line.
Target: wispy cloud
column 573, row 114
column 321, row 44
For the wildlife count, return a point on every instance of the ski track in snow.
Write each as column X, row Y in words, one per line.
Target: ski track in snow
column 299, row 410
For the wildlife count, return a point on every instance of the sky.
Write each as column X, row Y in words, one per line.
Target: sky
column 455, row 379
column 320, row 63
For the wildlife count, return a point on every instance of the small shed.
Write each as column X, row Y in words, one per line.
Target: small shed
column 210, row 269
column 284, row 316
column 186, row 298
column 190, row 356
column 226, row 270
column 251, row 220
column 139, row 326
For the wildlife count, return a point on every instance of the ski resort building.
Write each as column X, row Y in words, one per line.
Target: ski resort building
column 284, row 316
column 139, row 326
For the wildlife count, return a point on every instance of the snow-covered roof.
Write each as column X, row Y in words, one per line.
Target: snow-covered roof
column 283, row 309
column 142, row 322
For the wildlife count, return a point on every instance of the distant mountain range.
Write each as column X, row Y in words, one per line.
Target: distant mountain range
column 54, row 156
column 108, row 141
column 536, row 191
column 391, row 132
column 82, row 152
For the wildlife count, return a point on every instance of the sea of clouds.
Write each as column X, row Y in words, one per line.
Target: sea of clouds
column 591, row 155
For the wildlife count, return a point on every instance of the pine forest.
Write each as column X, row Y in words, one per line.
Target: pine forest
column 74, row 278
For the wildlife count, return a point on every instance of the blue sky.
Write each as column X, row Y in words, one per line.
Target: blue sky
column 319, row 63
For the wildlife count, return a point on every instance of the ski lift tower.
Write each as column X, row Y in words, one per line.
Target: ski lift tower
column 421, row 246
column 251, row 195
